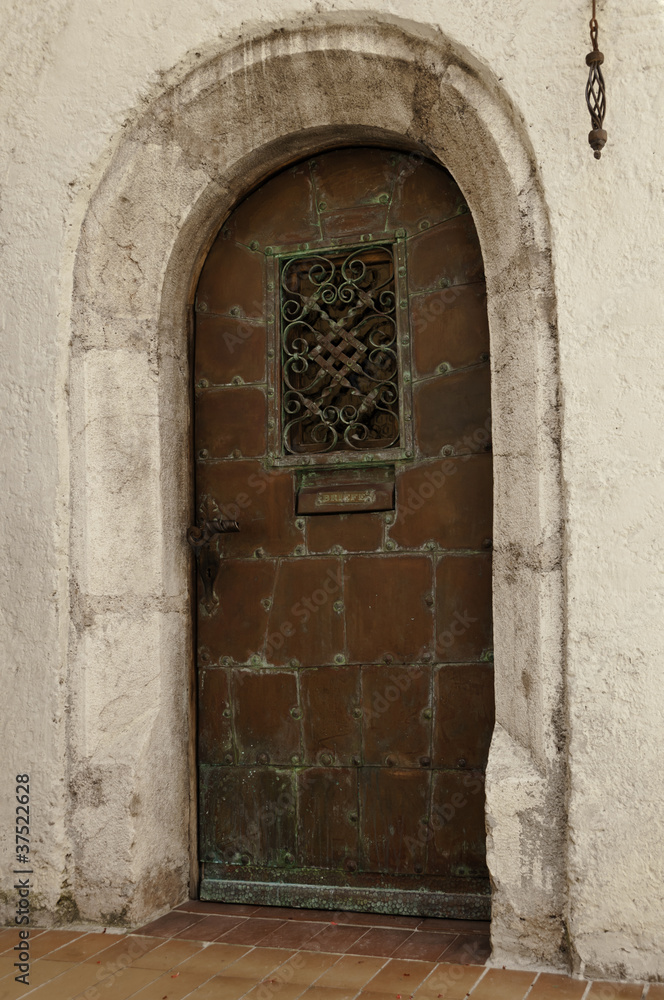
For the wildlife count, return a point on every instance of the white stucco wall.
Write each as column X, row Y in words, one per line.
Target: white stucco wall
column 76, row 76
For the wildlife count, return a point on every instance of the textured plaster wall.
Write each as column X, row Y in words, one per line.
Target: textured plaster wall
column 95, row 604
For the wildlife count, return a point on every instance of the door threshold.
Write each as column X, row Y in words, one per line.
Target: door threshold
column 405, row 902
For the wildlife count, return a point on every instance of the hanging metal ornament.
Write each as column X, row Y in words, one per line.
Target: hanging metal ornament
column 596, row 91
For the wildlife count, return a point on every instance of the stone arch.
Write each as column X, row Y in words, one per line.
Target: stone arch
column 219, row 127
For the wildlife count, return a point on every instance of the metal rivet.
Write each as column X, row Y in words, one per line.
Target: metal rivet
column 427, row 658
column 389, row 544
column 268, row 251
column 356, row 761
column 383, row 199
column 236, row 453
column 203, row 453
column 351, row 866
column 402, row 270
column 388, row 658
column 326, row 759
column 254, row 245
column 201, row 306
column 406, row 376
column 267, row 603
column 400, row 233
column 226, row 661
column 270, row 286
column 462, row 762
column 295, row 759
column 235, row 310
column 259, row 553
column 255, row 660
column 296, row 713
column 262, row 758
column 226, row 713
column 339, row 658
column 270, row 393
column 357, row 713
column 322, row 205
column 484, row 356
column 299, row 550
column 424, row 224
column 338, row 606
column 352, row 817
column 403, row 303
column 428, row 600
column 425, row 761
column 203, row 383
column 300, row 523
column 294, row 663
column 390, row 761
column 447, row 451
column 418, row 869
column 444, row 367
column 228, row 759
column 427, row 713
column 237, row 380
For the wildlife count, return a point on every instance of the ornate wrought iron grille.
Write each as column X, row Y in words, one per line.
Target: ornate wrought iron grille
column 339, row 352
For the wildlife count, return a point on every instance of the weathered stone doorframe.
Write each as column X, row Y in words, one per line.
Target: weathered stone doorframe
column 224, row 122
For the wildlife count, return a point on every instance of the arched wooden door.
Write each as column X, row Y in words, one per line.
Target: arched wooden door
column 345, row 676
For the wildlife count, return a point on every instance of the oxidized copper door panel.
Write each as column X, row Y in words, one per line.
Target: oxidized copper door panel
column 345, row 679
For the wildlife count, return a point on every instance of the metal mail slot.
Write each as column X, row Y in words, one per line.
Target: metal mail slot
column 345, row 491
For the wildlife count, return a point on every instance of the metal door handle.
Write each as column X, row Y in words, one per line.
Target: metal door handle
column 199, row 537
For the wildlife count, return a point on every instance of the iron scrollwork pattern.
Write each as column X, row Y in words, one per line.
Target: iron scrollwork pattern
column 340, row 362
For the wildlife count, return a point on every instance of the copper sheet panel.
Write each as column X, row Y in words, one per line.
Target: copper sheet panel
column 454, row 410
column 397, row 713
column 350, row 177
column 447, row 501
column 354, row 222
column 250, row 815
column 424, row 195
column 448, row 254
column 457, row 823
column 281, row 211
column 305, row 623
column 463, row 607
column 230, row 420
column 228, row 349
column 358, row 532
column 231, row 282
column 331, row 715
column 389, row 613
column 215, row 731
column 238, row 629
column 394, row 807
column 328, row 818
column 464, row 715
column 260, row 500
column 266, row 713
column 449, row 327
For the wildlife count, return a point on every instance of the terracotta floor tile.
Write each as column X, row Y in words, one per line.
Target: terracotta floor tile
column 550, row 987
column 378, row 920
column 167, row 955
column 621, row 991
column 400, row 976
column 503, row 984
column 655, row 992
column 292, row 934
column 50, row 940
column 458, row 926
column 11, row 990
column 70, row 984
column 351, row 970
column 42, row 972
column 221, row 989
column 173, row 985
column 305, row 967
column 199, row 906
column 120, row 986
column 6, row 964
column 82, row 948
column 451, row 982
column 9, row 937
column 170, row 924
column 210, row 927
column 213, row 958
column 275, row 991
column 125, row 950
column 257, row 964
column 323, row 993
column 425, row 946
column 251, row 930
column 289, row 913
column 381, row 941
column 468, row 949
column 335, row 939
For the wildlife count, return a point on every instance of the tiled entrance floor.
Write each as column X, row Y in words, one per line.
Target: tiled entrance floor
column 215, row 951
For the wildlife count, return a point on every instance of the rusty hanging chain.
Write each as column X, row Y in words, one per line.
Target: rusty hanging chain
column 596, row 90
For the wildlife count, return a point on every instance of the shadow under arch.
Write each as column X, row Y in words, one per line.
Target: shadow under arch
column 216, row 131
